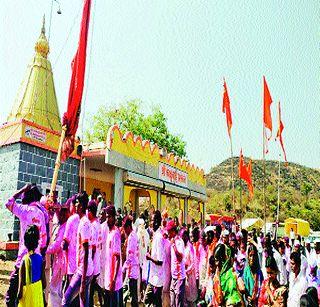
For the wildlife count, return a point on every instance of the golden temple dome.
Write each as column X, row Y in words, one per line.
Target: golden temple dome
column 36, row 99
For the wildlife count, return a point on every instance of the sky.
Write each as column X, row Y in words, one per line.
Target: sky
column 175, row 54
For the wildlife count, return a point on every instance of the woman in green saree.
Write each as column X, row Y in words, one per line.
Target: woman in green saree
column 252, row 277
column 230, row 288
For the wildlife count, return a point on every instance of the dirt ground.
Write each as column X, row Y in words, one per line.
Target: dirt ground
column 6, row 267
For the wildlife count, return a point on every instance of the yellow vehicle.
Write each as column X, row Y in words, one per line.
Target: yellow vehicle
column 299, row 226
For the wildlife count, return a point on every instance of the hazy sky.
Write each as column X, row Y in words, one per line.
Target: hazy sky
column 175, row 54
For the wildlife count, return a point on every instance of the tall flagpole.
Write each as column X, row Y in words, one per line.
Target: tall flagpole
column 278, row 205
column 264, row 183
column 232, row 178
column 240, row 199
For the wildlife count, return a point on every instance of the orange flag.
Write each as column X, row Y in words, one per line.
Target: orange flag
column 226, row 107
column 250, row 185
column 245, row 173
column 279, row 133
column 267, row 101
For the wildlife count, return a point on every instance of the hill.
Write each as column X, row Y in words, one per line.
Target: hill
column 299, row 191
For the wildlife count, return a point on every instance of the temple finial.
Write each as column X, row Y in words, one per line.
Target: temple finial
column 43, row 29
column 42, row 45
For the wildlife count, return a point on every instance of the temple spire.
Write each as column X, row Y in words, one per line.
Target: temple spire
column 36, row 99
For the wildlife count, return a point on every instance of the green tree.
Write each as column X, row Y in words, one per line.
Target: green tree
column 306, row 189
column 129, row 117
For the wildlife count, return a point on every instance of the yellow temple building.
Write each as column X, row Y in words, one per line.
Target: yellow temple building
column 131, row 172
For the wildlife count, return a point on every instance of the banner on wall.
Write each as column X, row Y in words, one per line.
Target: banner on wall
column 173, row 175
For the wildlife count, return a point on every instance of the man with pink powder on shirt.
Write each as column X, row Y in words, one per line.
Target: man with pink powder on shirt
column 96, row 241
column 55, row 252
column 113, row 267
column 153, row 295
column 80, row 282
column 29, row 214
column 131, row 265
column 70, row 243
column 178, row 272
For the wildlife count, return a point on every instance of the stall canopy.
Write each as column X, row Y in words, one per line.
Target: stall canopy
column 252, row 223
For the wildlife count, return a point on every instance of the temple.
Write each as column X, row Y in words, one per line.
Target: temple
column 132, row 173
column 29, row 139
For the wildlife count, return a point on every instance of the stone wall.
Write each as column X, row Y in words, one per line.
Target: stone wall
column 22, row 163
column 9, row 165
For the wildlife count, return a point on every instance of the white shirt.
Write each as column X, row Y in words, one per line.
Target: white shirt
column 292, row 235
column 282, row 276
column 178, row 268
column 96, row 236
column 28, row 215
column 156, row 274
column 113, row 248
column 144, row 241
column 84, row 235
column 102, row 248
column 70, row 235
column 132, row 256
column 297, row 287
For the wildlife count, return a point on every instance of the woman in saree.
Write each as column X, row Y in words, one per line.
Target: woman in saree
column 228, row 280
column 252, row 277
column 269, row 286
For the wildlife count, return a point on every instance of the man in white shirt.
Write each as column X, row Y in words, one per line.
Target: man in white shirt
column 70, row 243
column 96, row 236
column 178, row 272
column 153, row 295
column 297, row 281
column 292, row 236
column 131, row 265
column 80, row 281
column 113, row 262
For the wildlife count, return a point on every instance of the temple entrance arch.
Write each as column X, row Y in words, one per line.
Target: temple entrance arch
column 139, row 201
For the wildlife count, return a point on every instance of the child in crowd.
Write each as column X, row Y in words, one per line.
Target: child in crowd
column 31, row 274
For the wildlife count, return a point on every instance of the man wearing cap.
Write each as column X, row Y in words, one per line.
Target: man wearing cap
column 155, row 280
column 113, row 262
column 80, row 282
column 131, row 265
column 28, row 213
column 178, row 273
column 310, row 253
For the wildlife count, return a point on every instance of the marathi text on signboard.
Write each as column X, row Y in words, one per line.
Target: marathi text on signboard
column 173, row 175
column 35, row 134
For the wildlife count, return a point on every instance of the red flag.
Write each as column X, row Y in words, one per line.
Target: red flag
column 226, row 107
column 249, row 182
column 242, row 167
column 267, row 100
column 78, row 66
column 279, row 133
column 245, row 173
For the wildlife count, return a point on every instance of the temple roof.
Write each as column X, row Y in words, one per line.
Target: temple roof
column 36, row 99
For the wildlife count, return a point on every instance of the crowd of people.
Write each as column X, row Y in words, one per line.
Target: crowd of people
column 85, row 252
